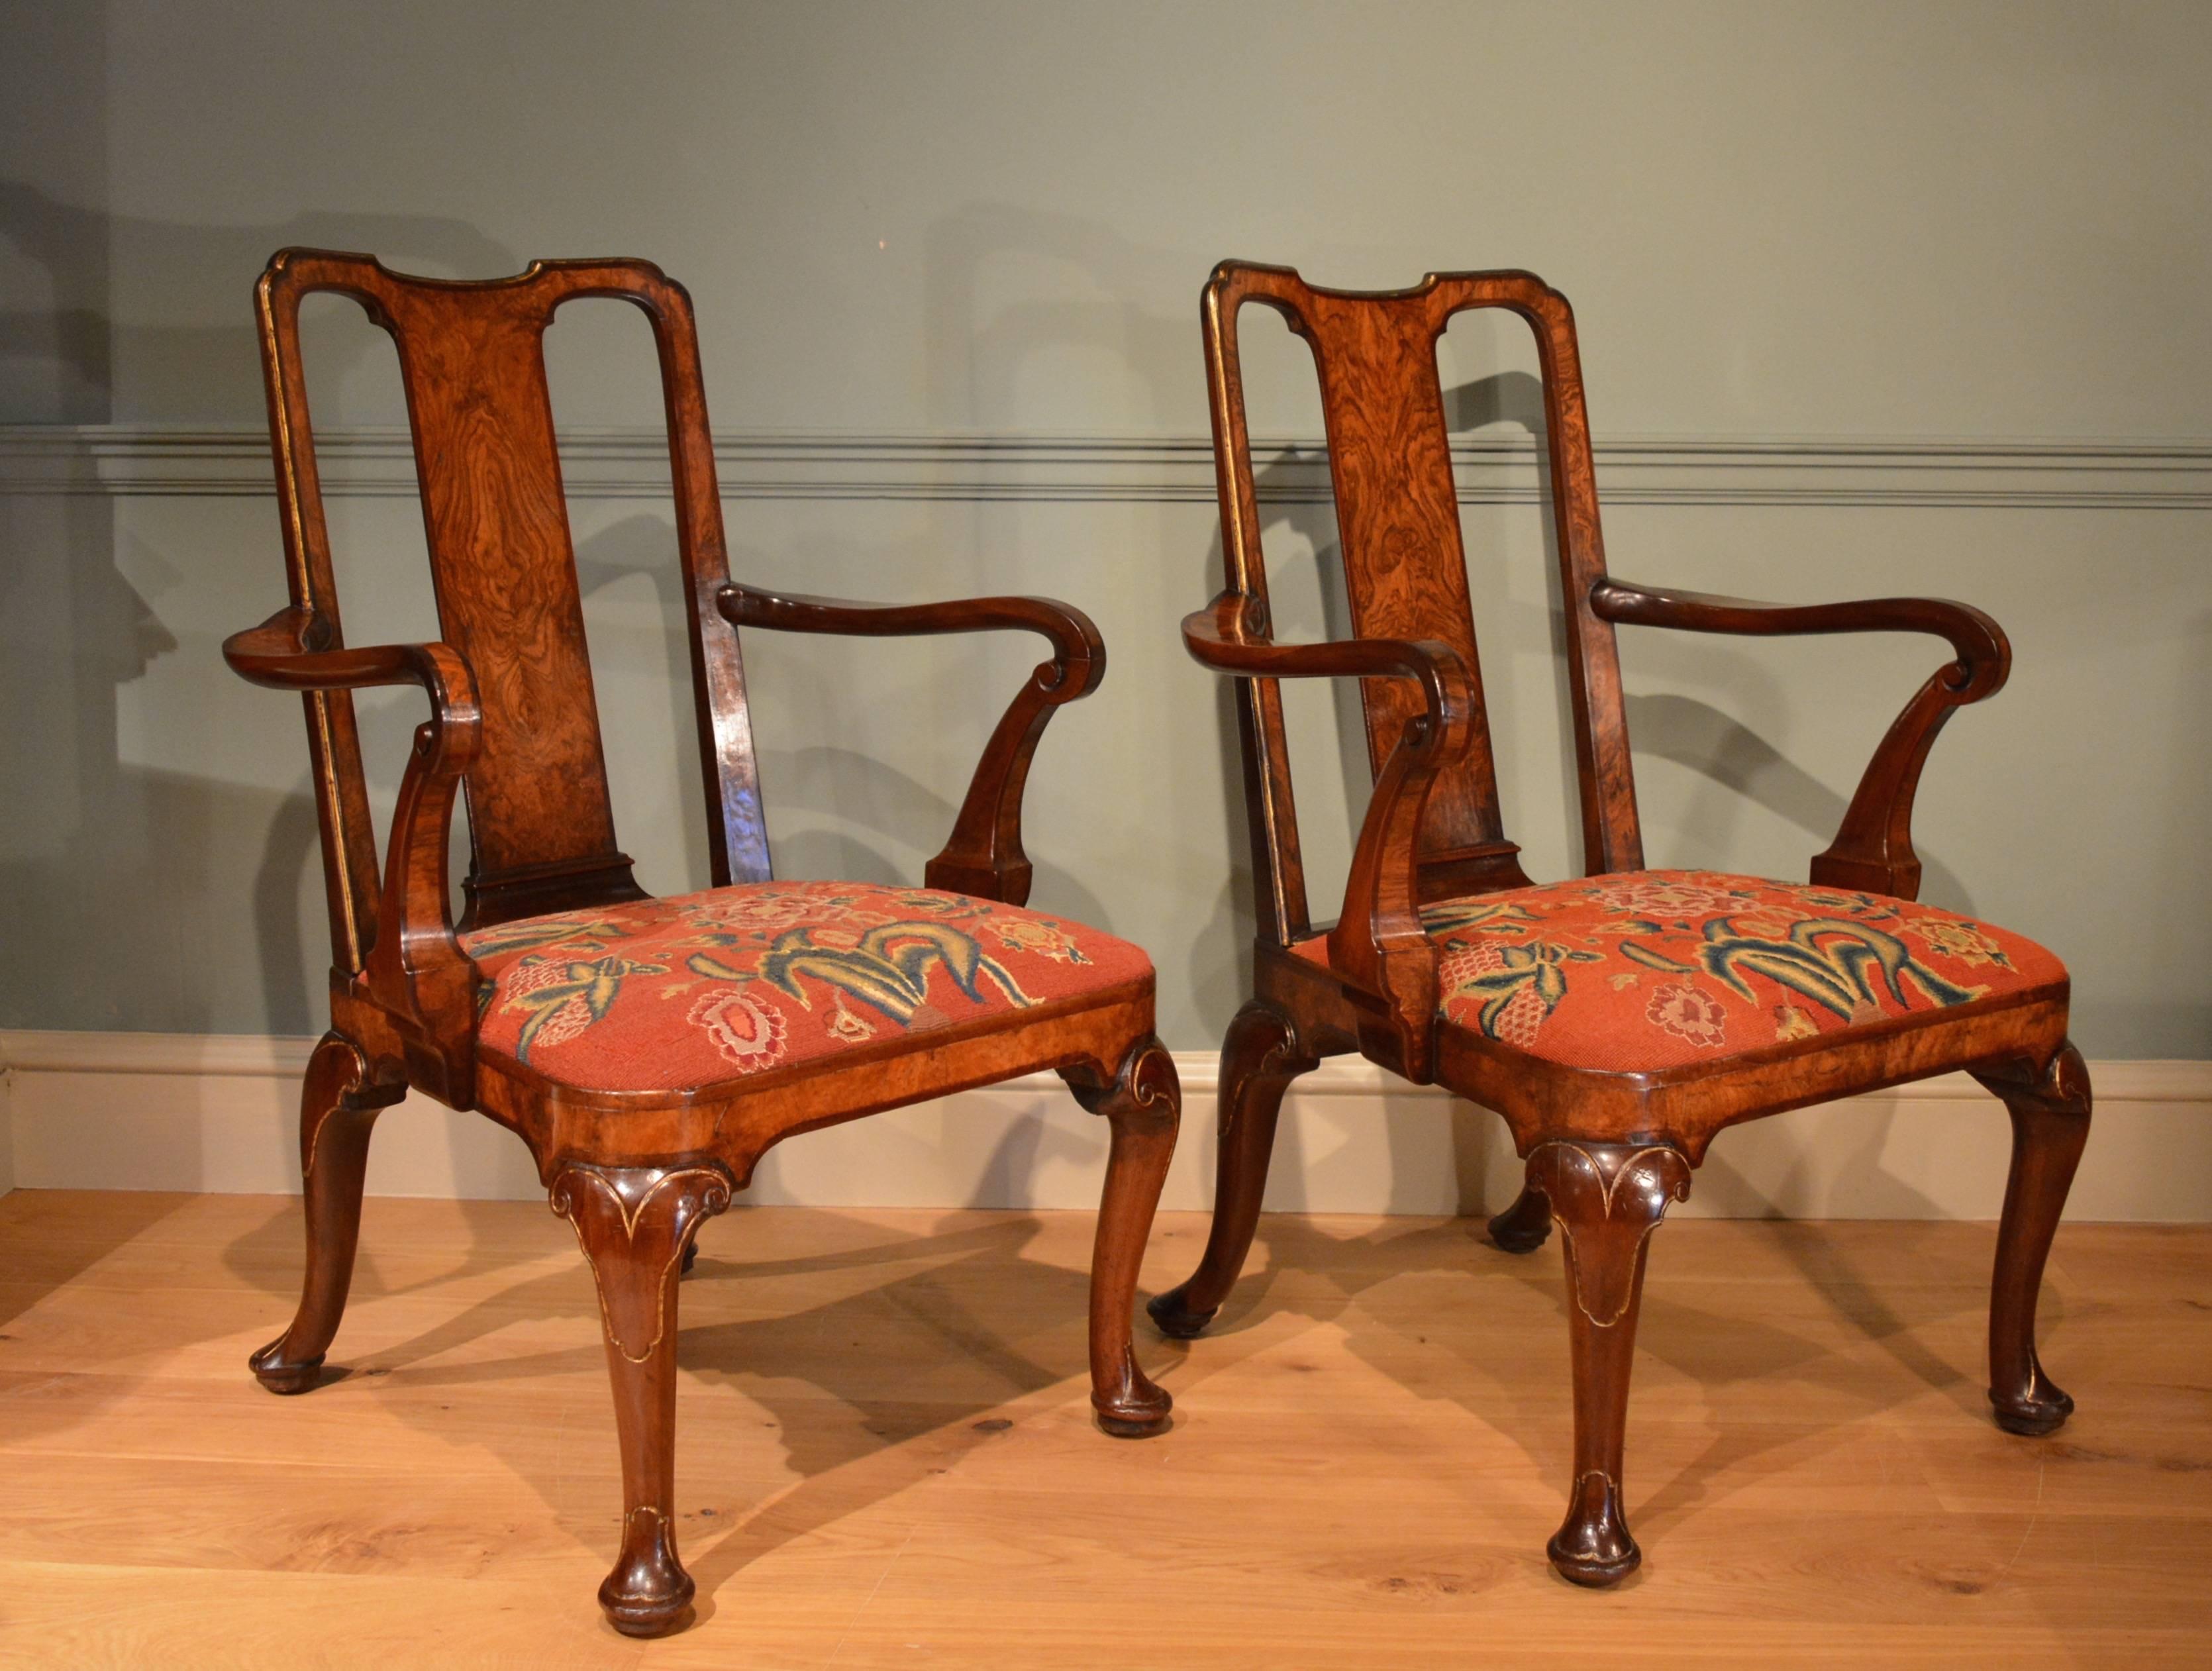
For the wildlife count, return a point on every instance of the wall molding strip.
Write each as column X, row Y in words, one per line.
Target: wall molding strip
column 1491, row 468
column 210, row 1113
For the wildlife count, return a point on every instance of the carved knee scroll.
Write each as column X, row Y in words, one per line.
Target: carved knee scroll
column 1144, row 1104
column 635, row 1225
column 1607, row 1199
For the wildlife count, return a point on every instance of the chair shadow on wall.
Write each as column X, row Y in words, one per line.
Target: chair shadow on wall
column 858, row 816
column 77, row 626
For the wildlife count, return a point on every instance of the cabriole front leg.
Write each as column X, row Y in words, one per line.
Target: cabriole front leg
column 1144, row 1106
column 1607, row 1199
column 2050, row 1125
column 338, row 1104
column 635, row 1224
column 1260, row 1057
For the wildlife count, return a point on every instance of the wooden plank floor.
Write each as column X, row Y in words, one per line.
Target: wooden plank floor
column 885, row 1457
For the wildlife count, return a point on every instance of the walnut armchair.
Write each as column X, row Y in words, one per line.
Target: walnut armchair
column 797, row 1005
column 1616, row 1023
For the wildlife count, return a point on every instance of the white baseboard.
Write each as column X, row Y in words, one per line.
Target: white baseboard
column 176, row 1111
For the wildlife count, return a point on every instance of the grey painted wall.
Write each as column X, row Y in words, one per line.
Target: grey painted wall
column 1876, row 221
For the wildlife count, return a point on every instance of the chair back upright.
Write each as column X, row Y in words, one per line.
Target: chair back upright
column 1405, row 568
column 503, row 569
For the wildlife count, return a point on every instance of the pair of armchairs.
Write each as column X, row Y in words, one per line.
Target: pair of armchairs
column 650, row 1050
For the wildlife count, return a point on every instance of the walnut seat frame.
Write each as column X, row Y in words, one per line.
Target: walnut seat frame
column 513, row 726
column 1606, row 1152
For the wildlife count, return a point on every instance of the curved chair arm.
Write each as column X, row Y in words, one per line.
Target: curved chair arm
column 416, row 970
column 983, row 856
column 1378, row 943
column 1873, row 850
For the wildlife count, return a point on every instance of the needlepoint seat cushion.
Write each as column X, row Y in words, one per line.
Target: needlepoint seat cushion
column 1651, row 969
column 677, row 993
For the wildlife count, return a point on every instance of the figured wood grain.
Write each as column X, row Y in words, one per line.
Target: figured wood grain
column 1805, row 1481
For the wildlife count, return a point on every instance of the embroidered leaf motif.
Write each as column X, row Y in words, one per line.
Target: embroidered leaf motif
column 526, row 936
column 1842, row 966
column 1455, row 916
column 888, row 970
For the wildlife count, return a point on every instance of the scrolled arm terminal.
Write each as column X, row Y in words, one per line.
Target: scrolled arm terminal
column 983, row 856
column 1873, row 850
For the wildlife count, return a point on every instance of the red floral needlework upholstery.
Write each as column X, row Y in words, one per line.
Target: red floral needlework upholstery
column 1652, row 970
column 670, row 994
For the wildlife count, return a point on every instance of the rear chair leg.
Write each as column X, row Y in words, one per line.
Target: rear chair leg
column 339, row 1103
column 1608, row 1197
column 635, row 1224
column 2050, row 1125
column 1522, row 1227
column 1260, row 1057
column 1143, row 1105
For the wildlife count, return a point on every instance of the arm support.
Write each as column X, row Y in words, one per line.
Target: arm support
column 1378, row 944
column 984, row 854
column 1874, row 849
column 416, row 970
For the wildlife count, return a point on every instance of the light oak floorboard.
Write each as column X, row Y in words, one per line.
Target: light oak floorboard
column 885, row 1456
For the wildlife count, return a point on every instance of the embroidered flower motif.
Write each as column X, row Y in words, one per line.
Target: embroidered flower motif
column 1687, row 1013
column 1514, row 1016
column 560, row 997
column 764, row 974
column 1671, row 902
column 1459, row 968
column 748, row 1033
column 1792, row 1022
column 1964, row 941
column 1035, row 934
column 1518, row 986
column 755, row 910
column 528, row 976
